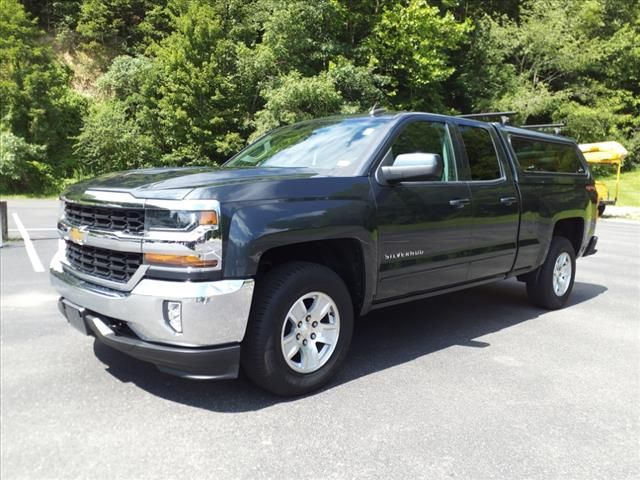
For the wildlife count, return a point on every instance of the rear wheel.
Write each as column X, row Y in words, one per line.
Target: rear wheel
column 601, row 210
column 299, row 330
column 551, row 285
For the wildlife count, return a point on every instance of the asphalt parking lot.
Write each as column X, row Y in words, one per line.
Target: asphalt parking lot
column 472, row 385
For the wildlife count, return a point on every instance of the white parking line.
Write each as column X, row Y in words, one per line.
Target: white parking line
column 28, row 245
column 35, row 229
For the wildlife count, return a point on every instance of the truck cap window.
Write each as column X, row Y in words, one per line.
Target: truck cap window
column 481, row 153
column 538, row 156
column 318, row 144
column 427, row 137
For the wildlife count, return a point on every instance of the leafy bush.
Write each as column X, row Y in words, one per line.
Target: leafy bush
column 22, row 169
column 110, row 141
column 37, row 104
column 298, row 98
column 413, row 44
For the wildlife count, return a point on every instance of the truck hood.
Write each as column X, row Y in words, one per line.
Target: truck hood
column 178, row 183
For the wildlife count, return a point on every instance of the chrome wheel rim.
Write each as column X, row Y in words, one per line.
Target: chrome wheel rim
column 310, row 332
column 562, row 274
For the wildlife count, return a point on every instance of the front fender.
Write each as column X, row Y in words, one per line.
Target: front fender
column 256, row 228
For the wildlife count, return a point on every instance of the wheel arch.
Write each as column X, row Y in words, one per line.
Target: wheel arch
column 573, row 230
column 333, row 233
column 345, row 256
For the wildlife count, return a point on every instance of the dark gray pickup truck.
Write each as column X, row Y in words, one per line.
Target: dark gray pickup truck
column 265, row 262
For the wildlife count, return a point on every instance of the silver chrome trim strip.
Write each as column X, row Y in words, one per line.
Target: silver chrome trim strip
column 112, row 199
column 105, row 198
column 109, row 240
column 61, row 258
column 204, row 241
column 194, row 205
column 123, row 287
column 182, row 270
column 80, row 284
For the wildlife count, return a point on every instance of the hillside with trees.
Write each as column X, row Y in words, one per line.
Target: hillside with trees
column 92, row 86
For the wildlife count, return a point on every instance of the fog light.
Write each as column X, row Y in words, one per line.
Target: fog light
column 173, row 315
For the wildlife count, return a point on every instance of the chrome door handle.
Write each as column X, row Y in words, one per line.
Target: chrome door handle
column 508, row 200
column 459, row 202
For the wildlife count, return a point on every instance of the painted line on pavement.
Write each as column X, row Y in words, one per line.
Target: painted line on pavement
column 28, row 245
column 35, row 229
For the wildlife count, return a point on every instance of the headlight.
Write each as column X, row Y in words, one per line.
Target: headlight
column 178, row 219
column 183, row 238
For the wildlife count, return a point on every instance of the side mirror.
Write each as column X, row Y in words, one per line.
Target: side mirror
column 413, row 167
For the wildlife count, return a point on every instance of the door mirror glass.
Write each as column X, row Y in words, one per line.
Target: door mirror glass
column 414, row 167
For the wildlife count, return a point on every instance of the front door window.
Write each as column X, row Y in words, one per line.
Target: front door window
column 427, row 137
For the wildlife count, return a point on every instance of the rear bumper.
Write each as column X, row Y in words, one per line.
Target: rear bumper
column 220, row 362
column 591, row 247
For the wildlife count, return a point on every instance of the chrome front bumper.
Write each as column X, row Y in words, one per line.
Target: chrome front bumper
column 213, row 313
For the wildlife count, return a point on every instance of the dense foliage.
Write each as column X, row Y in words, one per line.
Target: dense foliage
column 88, row 86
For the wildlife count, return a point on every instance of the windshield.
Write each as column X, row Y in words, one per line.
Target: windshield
column 329, row 144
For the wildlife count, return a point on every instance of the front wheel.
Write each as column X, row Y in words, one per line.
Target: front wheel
column 551, row 285
column 299, row 330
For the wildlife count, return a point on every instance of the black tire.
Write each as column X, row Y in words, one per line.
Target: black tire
column 601, row 210
column 262, row 358
column 540, row 285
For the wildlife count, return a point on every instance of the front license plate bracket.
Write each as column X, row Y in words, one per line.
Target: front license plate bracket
column 75, row 315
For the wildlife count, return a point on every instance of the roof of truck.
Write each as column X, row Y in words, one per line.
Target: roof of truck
column 533, row 133
column 395, row 115
column 507, row 128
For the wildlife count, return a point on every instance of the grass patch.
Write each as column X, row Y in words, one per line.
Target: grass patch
column 629, row 195
column 34, row 196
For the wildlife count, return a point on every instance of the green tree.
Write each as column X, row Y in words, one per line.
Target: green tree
column 110, row 27
column 576, row 62
column 52, row 15
column 297, row 98
column 36, row 104
column 413, row 45
column 22, row 167
column 483, row 71
column 198, row 103
column 360, row 86
column 190, row 81
column 110, row 140
column 302, row 34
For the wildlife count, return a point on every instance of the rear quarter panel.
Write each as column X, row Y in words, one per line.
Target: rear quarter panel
column 547, row 198
column 545, row 201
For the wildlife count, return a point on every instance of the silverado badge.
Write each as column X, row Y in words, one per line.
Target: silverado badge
column 77, row 235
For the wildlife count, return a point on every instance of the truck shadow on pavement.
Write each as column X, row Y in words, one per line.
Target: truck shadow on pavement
column 382, row 339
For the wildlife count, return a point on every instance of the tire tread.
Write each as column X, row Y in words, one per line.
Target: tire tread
column 539, row 285
column 271, row 290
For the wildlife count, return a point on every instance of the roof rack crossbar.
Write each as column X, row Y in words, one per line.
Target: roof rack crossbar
column 504, row 116
column 557, row 127
column 544, row 125
column 486, row 114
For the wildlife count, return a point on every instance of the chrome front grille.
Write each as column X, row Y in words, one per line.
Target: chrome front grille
column 127, row 220
column 106, row 264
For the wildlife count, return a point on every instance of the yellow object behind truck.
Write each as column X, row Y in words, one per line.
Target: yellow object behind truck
column 605, row 153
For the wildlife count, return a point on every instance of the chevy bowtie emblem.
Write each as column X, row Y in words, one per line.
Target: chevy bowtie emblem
column 77, row 236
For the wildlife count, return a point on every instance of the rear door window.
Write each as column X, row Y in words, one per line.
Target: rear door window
column 481, row 153
column 539, row 156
